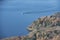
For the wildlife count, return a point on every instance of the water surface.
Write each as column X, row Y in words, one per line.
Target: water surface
column 16, row 15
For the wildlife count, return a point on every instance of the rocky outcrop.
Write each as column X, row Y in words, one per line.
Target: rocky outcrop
column 45, row 28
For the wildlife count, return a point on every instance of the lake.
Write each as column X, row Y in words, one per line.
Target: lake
column 16, row 15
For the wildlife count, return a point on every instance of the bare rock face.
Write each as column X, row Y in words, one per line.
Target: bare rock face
column 45, row 28
column 12, row 38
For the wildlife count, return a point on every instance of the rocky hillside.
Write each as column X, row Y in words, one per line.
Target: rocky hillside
column 44, row 28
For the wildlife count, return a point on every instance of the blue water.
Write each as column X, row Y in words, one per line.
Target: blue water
column 16, row 15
